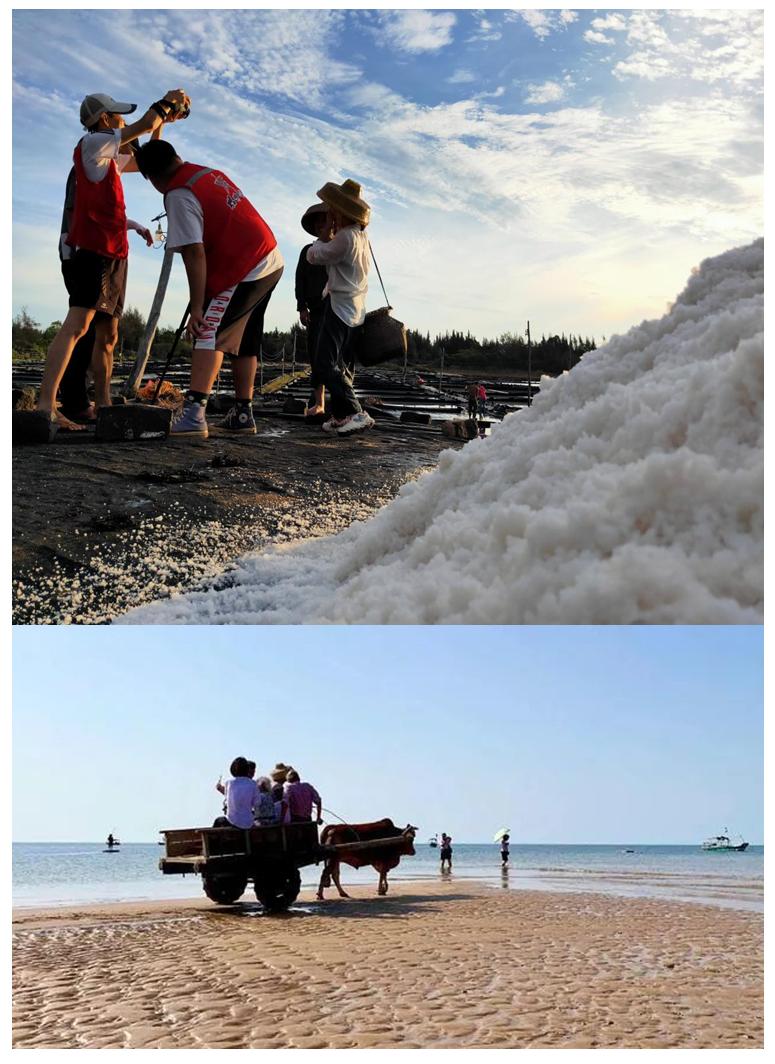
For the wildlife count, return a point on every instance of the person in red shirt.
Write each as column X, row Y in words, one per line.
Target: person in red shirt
column 97, row 235
column 233, row 265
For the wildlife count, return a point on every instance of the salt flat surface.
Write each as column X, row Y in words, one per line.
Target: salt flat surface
column 631, row 492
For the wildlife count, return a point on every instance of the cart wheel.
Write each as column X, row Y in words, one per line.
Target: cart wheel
column 224, row 890
column 278, row 888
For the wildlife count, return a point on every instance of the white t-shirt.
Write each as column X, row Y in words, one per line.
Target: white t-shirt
column 346, row 257
column 186, row 225
column 98, row 150
column 241, row 794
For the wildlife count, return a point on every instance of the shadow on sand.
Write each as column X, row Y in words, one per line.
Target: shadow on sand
column 353, row 908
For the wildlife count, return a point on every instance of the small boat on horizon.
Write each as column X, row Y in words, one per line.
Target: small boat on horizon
column 433, row 841
column 724, row 843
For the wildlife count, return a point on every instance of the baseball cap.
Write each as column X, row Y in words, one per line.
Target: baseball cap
column 100, row 103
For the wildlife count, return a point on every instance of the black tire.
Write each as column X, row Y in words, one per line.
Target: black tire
column 278, row 888
column 224, row 890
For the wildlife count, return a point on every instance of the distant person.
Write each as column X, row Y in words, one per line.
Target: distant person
column 481, row 400
column 264, row 809
column 310, row 283
column 301, row 797
column 233, row 265
column 473, row 404
column 445, row 853
column 241, row 794
column 346, row 258
column 111, row 840
column 505, row 850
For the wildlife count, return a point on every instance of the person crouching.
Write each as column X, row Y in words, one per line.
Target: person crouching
column 346, row 257
column 233, row 265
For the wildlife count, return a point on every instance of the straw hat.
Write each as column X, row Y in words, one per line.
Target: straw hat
column 279, row 772
column 346, row 198
column 311, row 215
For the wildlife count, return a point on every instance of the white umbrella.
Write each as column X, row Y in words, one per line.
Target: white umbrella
column 499, row 834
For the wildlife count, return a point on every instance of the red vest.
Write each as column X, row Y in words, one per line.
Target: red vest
column 99, row 216
column 236, row 237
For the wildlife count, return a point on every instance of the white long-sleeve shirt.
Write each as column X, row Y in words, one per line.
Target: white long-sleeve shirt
column 346, row 257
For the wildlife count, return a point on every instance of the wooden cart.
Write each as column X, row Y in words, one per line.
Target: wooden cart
column 270, row 857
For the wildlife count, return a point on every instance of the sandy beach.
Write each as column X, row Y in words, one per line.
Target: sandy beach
column 431, row 966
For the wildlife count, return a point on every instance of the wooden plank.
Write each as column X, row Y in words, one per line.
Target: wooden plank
column 281, row 382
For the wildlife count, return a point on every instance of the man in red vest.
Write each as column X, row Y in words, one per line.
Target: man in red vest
column 233, row 265
column 96, row 276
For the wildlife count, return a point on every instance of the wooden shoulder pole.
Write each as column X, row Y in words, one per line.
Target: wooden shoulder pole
column 144, row 351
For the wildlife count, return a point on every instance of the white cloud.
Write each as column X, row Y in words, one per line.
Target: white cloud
column 418, row 31
column 548, row 92
column 597, row 38
column 461, row 76
column 610, row 22
column 544, row 23
column 678, row 44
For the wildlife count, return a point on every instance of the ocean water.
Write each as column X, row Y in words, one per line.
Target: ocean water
column 55, row 873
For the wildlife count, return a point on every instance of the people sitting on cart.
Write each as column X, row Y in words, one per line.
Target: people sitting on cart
column 240, row 793
column 300, row 797
column 263, row 808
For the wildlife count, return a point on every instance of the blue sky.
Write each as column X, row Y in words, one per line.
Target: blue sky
column 570, row 167
column 567, row 734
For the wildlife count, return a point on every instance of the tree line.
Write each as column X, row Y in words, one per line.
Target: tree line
column 509, row 352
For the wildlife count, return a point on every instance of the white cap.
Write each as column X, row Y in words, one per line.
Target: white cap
column 100, row 103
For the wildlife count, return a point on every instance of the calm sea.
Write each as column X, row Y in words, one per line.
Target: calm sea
column 55, row 873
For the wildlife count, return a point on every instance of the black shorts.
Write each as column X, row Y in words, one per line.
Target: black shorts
column 446, row 855
column 235, row 318
column 95, row 282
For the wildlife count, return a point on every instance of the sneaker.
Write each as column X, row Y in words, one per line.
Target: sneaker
column 190, row 422
column 240, row 419
column 355, row 423
column 332, row 424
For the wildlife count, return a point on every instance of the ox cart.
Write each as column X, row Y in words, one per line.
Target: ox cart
column 228, row 858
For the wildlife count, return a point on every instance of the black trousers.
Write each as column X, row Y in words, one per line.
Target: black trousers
column 313, row 332
column 333, row 363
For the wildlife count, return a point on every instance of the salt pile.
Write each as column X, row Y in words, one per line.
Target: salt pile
column 631, row 492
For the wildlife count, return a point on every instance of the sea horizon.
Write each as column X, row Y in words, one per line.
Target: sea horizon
column 55, row 874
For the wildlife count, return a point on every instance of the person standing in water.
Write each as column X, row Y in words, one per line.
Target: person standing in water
column 504, row 851
column 446, row 851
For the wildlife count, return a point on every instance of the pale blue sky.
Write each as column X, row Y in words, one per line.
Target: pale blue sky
column 565, row 734
column 571, row 167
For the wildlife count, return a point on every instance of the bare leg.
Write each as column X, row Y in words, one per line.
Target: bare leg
column 72, row 329
column 383, row 884
column 319, row 404
column 105, row 337
column 243, row 370
column 205, row 365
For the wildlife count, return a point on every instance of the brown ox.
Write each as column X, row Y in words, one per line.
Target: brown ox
column 382, row 858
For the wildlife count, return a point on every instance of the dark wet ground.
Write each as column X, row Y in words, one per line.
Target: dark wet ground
column 100, row 528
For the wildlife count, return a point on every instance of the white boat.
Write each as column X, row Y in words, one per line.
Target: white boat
column 433, row 841
column 724, row 842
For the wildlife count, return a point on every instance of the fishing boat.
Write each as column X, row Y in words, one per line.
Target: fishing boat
column 433, row 841
column 723, row 842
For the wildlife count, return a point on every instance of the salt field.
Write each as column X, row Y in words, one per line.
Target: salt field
column 630, row 492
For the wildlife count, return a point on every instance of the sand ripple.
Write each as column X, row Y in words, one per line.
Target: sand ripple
column 433, row 966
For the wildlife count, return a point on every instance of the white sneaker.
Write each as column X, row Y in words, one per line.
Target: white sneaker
column 332, row 424
column 355, row 423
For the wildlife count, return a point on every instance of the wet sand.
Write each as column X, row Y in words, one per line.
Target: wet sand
column 430, row 966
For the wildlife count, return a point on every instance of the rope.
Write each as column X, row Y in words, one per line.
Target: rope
column 371, row 249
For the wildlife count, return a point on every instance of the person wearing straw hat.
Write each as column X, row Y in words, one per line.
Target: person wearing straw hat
column 97, row 234
column 346, row 258
column 310, row 284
